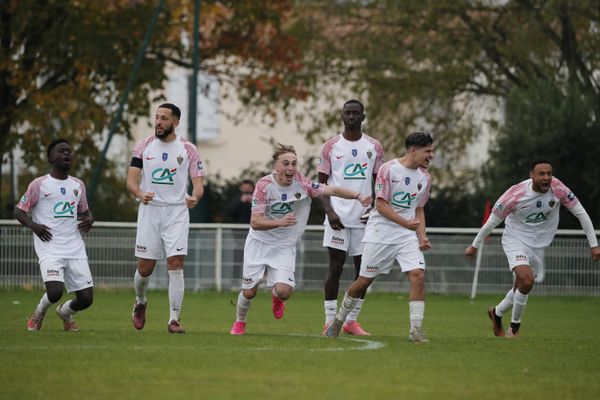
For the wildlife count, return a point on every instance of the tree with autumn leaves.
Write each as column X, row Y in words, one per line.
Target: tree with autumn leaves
column 65, row 63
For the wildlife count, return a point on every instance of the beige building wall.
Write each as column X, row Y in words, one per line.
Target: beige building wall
column 237, row 145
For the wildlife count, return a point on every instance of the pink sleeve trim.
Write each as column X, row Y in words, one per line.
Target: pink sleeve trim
column 32, row 195
column 82, row 205
column 195, row 166
column 259, row 197
column 324, row 165
column 508, row 201
column 565, row 195
column 138, row 150
column 425, row 197
column 382, row 183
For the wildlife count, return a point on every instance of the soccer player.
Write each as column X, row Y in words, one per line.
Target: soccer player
column 350, row 159
column 531, row 209
column 396, row 231
column 280, row 209
column 164, row 162
column 59, row 214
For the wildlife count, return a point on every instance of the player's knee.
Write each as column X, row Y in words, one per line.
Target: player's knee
column 249, row 294
column 86, row 300
column 284, row 291
column 54, row 291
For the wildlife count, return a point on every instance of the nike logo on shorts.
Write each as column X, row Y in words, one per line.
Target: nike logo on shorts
column 179, row 248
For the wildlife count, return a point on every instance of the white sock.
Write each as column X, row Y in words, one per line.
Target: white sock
column 176, row 289
column 66, row 310
column 506, row 303
column 416, row 311
column 353, row 316
column 141, row 287
column 520, row 301
column 43, row 305
column 330, row 310
column 243, row 305
column 347, row 306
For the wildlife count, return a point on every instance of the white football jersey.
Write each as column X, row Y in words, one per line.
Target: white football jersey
column 56, row 203
column 532, row 217
column 350, row 164
column 405, row 189
column 275, row 201
column 166, row 168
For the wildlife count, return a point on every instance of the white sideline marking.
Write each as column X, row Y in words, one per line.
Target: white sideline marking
column 366, row 345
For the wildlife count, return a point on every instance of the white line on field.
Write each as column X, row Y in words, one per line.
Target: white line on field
column 366, row 345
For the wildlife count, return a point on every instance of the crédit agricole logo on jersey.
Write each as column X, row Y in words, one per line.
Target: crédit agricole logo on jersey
column 64, row 209
column 403, row 199
column 163, row 176
column 536, row 217
column 281, row 208
column 356, row 171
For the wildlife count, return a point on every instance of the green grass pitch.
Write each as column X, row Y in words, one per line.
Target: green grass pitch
column 557, row 355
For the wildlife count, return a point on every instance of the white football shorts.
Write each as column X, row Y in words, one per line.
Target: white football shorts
column 518, row 253
column 348, row 239
column 379, row 258
column 162, row 230
column 278, row 263
column 74, row 273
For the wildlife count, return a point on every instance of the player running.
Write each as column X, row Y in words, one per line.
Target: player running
column 531, row 209
column 396, row 231
column 280, row 209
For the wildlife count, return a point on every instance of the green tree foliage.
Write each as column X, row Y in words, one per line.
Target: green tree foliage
column 560, row 126
column 440, row 64
column 64, row 64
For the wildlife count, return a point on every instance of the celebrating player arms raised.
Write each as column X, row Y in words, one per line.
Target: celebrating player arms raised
column 531, row 209
column 396, row 231
column 280, row 209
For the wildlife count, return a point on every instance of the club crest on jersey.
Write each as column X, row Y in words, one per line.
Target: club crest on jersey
column 165, row 156
column 369, row 154
column 538, row 204
column 354, row 152
column 63, row 190
column 76, row 192
column 419, row 186
column 297, row 195
column 407, row 181
column 284, row 197
column 551, row 203
column 179, row 159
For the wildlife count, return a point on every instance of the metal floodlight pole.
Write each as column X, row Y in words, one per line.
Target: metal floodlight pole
column 117, row 118
column 193, row 90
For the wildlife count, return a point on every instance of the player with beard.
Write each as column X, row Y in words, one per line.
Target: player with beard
column 531, row 209
column 160, row 167
column 396, row 231
column 59, row 215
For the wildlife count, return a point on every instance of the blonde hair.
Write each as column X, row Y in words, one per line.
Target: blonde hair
column 282, row 149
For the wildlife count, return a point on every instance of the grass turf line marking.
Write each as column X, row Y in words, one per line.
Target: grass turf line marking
column 366, row 345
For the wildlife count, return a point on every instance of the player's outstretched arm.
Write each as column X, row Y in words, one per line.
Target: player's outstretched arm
column 344, row 193
column 492, row 222
column 42, row 231
column 586, row 224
